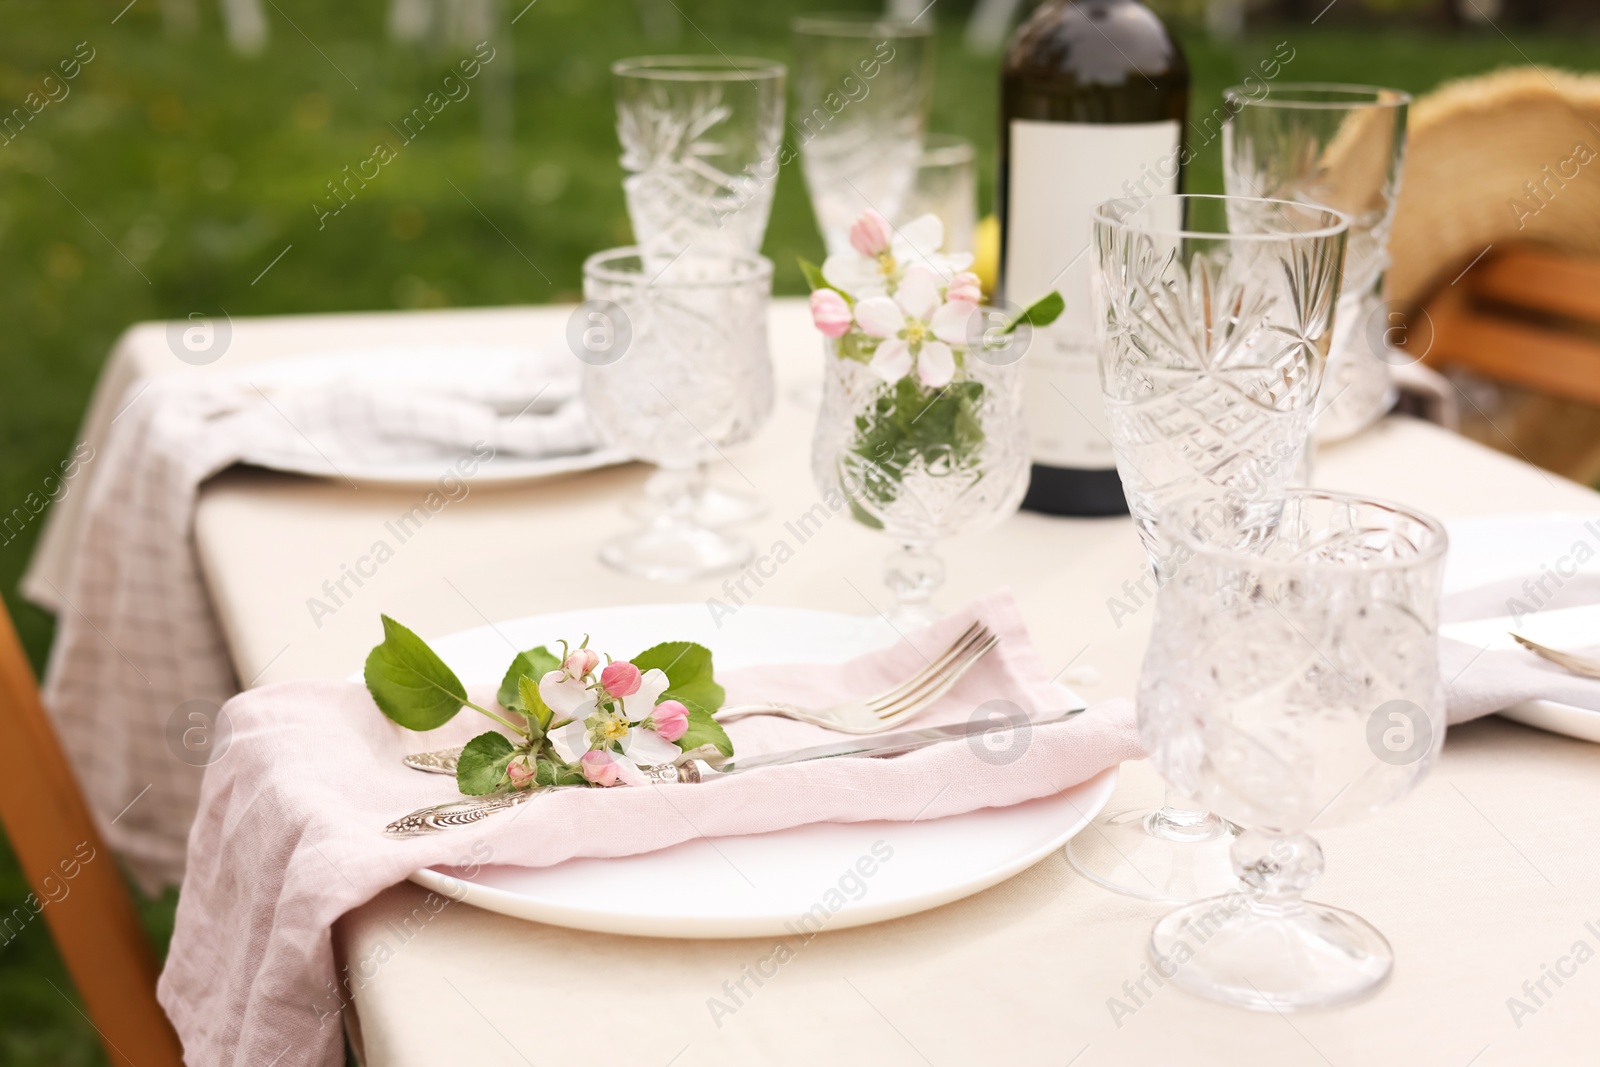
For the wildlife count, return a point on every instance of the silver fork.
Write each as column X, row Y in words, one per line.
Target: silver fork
column 875, row 714
column 1584, row 665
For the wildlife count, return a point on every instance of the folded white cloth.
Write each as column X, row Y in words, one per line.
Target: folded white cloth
column 137, row 638
column 1480, row 682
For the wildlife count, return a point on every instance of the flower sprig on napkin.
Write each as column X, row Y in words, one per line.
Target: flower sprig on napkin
column 575, row 719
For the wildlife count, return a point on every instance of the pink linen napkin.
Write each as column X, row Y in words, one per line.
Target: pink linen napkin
column 289, row 833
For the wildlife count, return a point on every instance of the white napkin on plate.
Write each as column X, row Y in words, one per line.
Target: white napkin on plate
column 137, row 639
column 1485, row 671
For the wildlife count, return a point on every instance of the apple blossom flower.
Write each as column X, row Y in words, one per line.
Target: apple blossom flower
column 599, row 767
column 671, row 719
column 863, row 275
column 620, row 678
column 965, row 287
column 829, row 313
column 916, row 329
column 566, row 695
column 626, row 727
column 580, row 661
column 521, row 771
column 871, row 234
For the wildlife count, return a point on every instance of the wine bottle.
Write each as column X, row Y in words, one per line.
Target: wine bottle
column 1093, row 99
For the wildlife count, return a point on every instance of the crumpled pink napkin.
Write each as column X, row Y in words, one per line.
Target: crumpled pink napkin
column 289, row 832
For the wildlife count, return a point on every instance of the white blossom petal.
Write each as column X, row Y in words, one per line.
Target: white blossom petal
column 628, row 772
column 649, row 747
column 935, row 364
column 918, row 294
column 952, row 323
column 639, row 705
column 857, row 275
column 567, row 697
column 570, row 741
column 921, row 237
column 892, row 361
column 879, row 316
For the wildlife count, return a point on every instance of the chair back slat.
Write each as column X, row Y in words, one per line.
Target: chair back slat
column 1525, row 316
column 79, row 888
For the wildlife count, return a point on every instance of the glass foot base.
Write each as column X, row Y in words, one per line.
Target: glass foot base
column 716, row 507
column 1119, row 852
column 1270, row 957
column 676, row 553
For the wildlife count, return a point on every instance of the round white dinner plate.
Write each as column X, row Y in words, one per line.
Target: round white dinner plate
column 785, row 883
column 1485, row 551
column 504, row 377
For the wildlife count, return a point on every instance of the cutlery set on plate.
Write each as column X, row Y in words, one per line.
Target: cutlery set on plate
column 874, row 716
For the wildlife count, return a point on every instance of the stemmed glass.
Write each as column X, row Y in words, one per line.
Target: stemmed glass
column 1213, row 318
column 1292, row 681
column 1342, row 147
column 701, row 140
column 684, row 374
column 922, row 463
column 863, row 85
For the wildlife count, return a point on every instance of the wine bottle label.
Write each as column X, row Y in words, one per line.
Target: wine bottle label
column 1059, row 172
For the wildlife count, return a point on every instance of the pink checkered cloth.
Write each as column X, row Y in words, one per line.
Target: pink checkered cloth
column 289, row 833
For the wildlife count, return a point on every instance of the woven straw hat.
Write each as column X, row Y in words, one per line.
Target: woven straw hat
column 1509, row 156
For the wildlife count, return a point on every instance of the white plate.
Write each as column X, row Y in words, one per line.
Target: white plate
column 504, row 377
column 1485, row 551
column 756, row 885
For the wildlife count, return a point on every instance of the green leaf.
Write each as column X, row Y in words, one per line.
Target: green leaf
column 688, row 669
column 482, row 764
column 1043, row 312
column 533, row 705
column 815, row 280
column 535, row 663
column 410, row 683
column 704, row 730
column 549, row 772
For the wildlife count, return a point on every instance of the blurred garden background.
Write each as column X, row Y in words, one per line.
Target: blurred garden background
column 180, row 170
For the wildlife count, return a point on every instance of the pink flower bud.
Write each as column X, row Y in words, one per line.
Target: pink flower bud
column 620, row 678
column 520, row 771
column 830, row 313
column 580, row 661
column 671, row 719
column 598, row 767
column 966, row 287
column 871, row 233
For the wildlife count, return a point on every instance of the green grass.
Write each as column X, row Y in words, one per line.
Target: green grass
column 201, row 166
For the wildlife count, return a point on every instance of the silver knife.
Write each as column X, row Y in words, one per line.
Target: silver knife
column 458, row 813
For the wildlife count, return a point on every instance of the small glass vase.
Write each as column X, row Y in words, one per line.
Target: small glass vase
column 924, row 463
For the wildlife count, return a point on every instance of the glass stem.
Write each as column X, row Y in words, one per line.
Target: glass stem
column 1180, row 819
column 912, row 573
column 1276, row 868
column 678, row 491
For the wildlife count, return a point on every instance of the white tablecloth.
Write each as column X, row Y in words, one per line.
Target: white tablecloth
column 1485, row 875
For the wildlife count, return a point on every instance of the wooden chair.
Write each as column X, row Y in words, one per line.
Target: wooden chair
column 1527, row 318
column 92, row 917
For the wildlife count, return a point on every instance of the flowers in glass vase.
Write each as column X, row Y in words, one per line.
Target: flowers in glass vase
column 581, row 718
column 913, row 317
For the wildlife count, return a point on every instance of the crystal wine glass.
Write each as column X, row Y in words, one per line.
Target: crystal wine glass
column 1343, row 147
column 923, row 463
column 683, row 374
column 701, row 143
column 1214, row 317
column 863, row 84
column 1292, row 682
